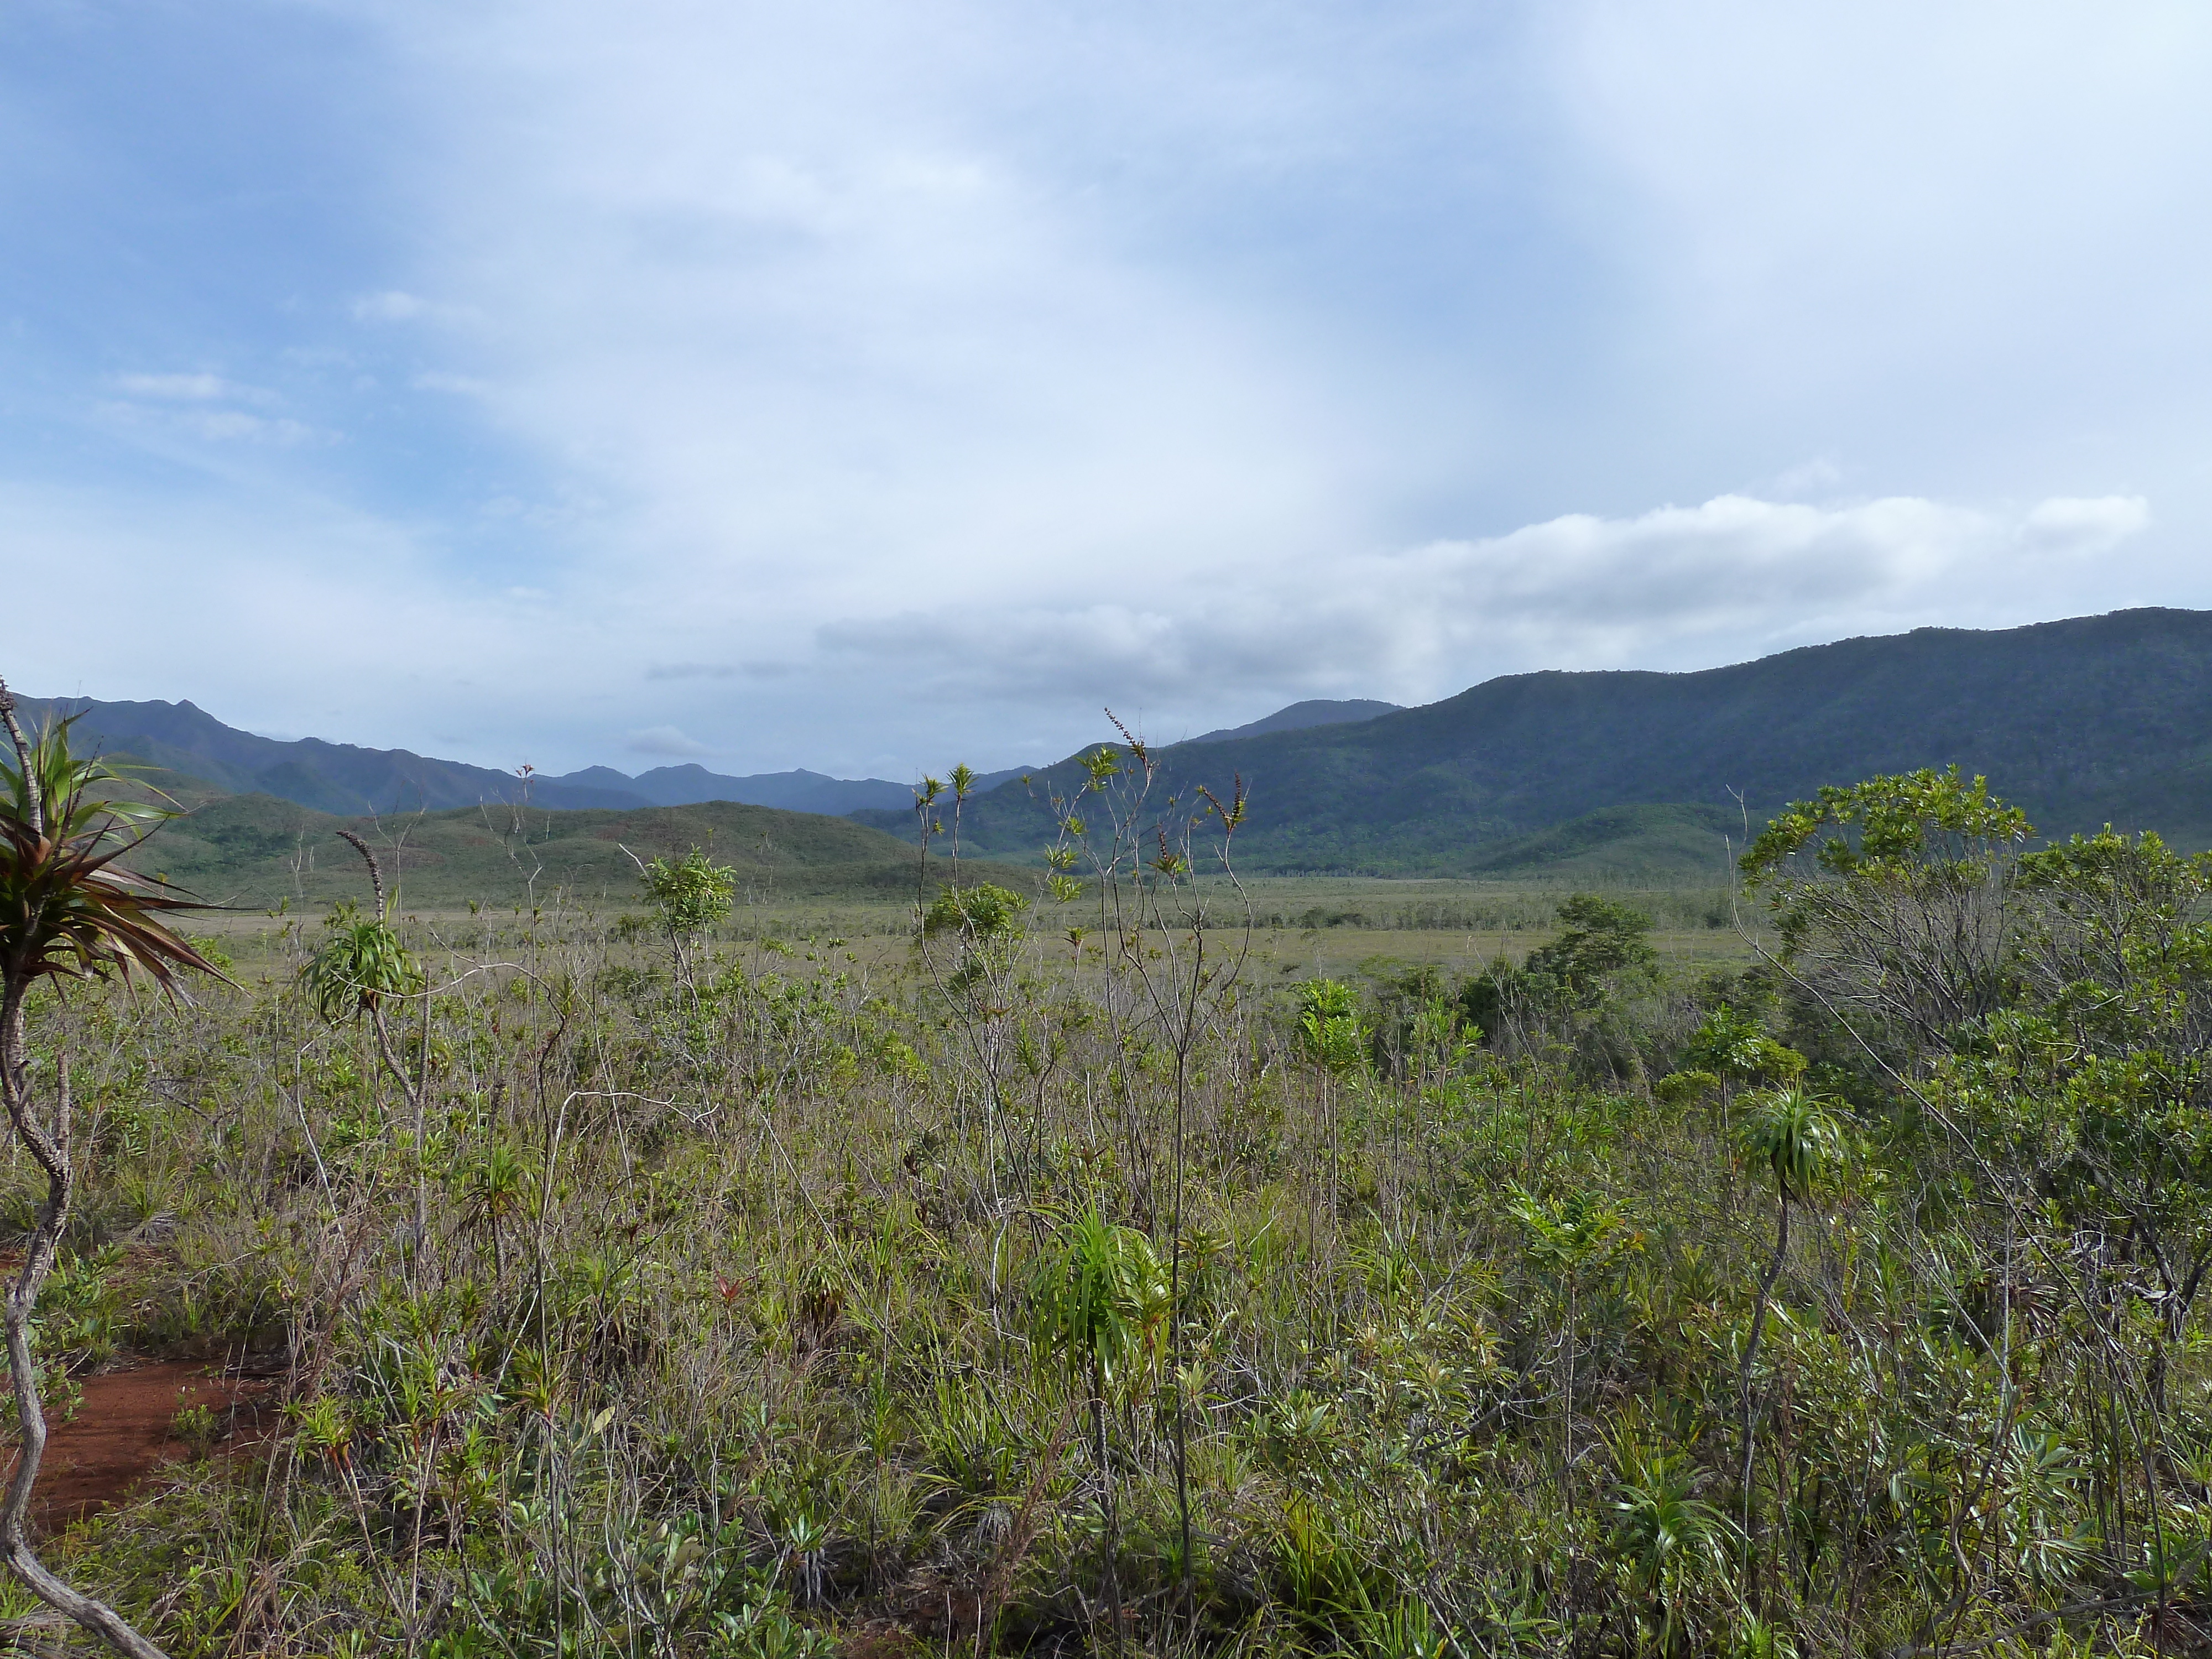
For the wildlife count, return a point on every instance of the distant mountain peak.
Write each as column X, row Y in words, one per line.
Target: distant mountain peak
column 798, row 790
column 342, row 778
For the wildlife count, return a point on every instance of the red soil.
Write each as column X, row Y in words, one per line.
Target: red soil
column 121, row 1432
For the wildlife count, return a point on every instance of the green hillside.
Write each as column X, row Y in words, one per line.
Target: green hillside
column 1618, row 844
column 256, row 850
column 2079, row 721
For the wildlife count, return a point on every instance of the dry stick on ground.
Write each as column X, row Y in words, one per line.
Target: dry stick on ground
column 999, row 1580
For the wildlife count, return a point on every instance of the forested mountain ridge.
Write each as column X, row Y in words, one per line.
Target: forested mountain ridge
column 341, row 778
column 2079, row 721
column 1300, row 716
column 347, row 778
column 691, row 784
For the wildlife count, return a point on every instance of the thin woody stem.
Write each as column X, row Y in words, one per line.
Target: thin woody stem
column 50, row 1152
column 375, row 871
column 34, row 791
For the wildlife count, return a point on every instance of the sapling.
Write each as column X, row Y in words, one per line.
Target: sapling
column 690, row 895
column 362, row 968
column 987, row 924
column 1579, row 1240
column 1147, row 890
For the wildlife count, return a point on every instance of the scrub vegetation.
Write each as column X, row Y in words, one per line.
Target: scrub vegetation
column 1067, row 1284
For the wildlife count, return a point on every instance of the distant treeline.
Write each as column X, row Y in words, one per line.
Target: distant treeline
column 1523, row 910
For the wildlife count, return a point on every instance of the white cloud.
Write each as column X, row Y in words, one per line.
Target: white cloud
column 204, row 425
column 2063, row 525
column 392, row 306
column 1818, row 475
column 193, row 388
column 980, row 312
column 370, row 642
column 1969, row 230
column 202, row 408
column 1672, row 586
column 224, row 426
column 832, row 381
column 461, row 386
column 340, row 640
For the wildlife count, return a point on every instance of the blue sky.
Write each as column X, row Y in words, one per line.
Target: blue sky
column 868, row 386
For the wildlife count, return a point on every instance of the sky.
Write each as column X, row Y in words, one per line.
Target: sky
column 866, row 387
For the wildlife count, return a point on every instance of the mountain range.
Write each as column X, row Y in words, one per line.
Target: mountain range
column 345, row 779
column 2084, row 721
column 1302, row 716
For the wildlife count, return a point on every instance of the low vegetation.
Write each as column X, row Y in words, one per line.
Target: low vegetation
column 1071, row 1287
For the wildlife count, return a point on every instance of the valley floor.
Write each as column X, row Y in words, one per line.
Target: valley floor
column 817, row 1285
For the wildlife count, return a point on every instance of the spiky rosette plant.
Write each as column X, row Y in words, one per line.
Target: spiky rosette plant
column 1101, row 1302
column 68, row 910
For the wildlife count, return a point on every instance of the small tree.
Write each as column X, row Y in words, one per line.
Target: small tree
column 1329, row 1032
column 1895, row 899
column 66, row 911
column 987, row 920
column 361, row 968
column 690, row 894
column 1598, row 939
column 1734, row 1048
column 1562, row 990
column 1579, row 1241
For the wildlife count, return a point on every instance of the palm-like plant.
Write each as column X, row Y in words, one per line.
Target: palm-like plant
column 1101, row 1304
column 67, row 911
column 494, row 1187
column 1790, row 1134
column 1668, row 1537
column 362, row 968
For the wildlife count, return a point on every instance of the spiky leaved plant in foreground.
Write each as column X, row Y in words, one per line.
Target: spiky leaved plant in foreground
column 1789, row 1132
column 1100, row 1302
column 66, row 911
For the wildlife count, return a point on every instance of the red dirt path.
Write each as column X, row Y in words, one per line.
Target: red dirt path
column 120, row 1432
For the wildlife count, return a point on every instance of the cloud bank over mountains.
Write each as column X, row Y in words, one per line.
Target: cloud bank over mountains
column 1667, row 588
column 850, row 385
